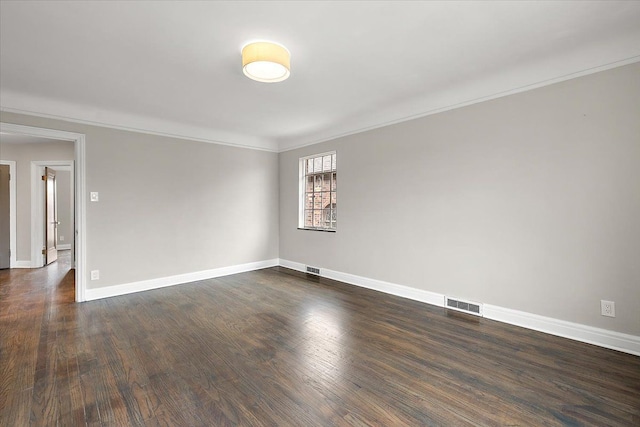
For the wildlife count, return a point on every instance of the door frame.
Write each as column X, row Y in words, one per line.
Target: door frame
column 38, row 209
column 12, row 212
column 78, row 140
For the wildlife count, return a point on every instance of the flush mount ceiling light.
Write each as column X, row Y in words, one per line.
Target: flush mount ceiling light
column 266, row 62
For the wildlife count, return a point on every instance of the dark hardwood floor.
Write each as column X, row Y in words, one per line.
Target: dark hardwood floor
column 276, row 348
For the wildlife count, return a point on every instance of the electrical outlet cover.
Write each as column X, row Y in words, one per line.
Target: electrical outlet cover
column 608, row 308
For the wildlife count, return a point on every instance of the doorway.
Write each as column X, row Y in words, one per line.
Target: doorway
column 77, row 169
column 45, row 234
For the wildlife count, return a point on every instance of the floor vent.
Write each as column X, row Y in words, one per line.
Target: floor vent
column 464, row 306
column 313, row 270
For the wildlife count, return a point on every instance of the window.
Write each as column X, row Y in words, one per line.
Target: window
column 318, row 186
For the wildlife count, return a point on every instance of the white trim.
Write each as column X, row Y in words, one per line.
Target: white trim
column 377, row 285
column 38, row 132
column 301, row 191
column 20, row 103
column 64, row 246
column 286, row 144
column 601, row 337
column 12, row 211
column 326, row 153
column 80, row 219
column 180, row 279
column 80, row 200
column 575, row 331
column 22, row 264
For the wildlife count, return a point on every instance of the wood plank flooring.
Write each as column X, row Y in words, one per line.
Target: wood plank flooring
column 276, row 348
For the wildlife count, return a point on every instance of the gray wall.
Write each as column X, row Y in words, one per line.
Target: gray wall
column 23, row 154
column 63, row 190
column 169, row 206
column 530, row 202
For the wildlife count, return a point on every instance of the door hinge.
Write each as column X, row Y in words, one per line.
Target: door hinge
column 44, row 252
column 44, row 177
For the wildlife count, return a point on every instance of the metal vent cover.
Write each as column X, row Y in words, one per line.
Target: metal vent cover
column 313, row 270
column 469, row 307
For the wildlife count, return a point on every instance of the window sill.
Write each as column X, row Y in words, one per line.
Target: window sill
column 317, row 229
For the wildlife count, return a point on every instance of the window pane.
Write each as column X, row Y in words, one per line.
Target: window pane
column 326, row 214
column 326, row 182
column 326, row 163
column 317, row 218
column 326, row 200
column 308, row 201
column 319, row 192
column 317, row 201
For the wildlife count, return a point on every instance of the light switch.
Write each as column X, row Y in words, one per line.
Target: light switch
column 94, row 196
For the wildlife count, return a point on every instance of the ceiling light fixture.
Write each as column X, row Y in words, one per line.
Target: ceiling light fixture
column 266, row 62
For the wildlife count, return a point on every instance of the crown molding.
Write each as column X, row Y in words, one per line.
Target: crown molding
column 13, row 102
column 19, row 103
column 288, row 144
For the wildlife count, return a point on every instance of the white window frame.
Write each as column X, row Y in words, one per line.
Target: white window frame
column 302, row 188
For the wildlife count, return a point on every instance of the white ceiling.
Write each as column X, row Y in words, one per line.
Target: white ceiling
column 175, row 68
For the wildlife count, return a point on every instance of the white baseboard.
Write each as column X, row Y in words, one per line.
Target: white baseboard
column 376, row 285
column 575, row 331
column 161, row 282
column 22, row 264
column 64, row 247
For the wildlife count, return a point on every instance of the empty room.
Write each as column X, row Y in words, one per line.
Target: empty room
column 319, row 213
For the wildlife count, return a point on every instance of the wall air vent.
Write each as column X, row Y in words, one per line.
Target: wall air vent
column 468, row 307
column 313, row 270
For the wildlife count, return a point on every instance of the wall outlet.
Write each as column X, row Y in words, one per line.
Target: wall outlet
column 608, row 308
column 94, row 196
column 95, row 274
column 62, row 238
